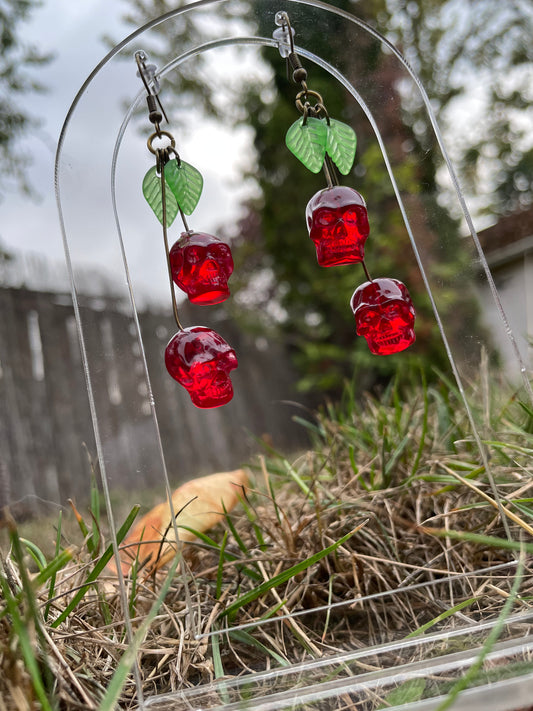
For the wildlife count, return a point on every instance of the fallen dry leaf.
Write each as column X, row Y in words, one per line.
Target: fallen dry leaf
column 197, row 504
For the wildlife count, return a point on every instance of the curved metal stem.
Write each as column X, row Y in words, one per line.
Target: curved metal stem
column 161, row 163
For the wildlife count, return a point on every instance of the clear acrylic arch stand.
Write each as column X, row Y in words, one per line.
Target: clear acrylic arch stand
column 102, row 213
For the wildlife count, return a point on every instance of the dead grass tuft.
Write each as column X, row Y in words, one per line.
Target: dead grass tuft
column 395, row 470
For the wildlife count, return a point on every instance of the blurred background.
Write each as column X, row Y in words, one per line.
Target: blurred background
column 288, row 320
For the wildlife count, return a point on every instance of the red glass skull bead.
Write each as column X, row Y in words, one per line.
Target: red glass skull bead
column 384, row 315
column 201, row 265
column 201, row 360
column 337, row 221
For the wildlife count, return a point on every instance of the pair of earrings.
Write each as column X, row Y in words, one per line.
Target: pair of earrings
column 201, row 264
column 198, row 263
column 337, row 218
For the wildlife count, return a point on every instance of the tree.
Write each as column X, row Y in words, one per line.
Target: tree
column 448, row 46
column 475, row 59
column 313, row 303
column 16, row 63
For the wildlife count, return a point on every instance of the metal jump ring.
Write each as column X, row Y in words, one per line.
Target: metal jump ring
column 159, row 134
column 307, row 93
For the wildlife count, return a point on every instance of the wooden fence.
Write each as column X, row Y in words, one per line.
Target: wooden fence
column 46, row 431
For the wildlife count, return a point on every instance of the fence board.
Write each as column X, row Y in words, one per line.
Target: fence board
column 45, row 420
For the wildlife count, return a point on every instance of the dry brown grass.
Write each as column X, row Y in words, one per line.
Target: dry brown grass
column 292, row 511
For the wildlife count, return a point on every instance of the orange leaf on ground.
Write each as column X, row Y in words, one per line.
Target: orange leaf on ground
column 198, row 504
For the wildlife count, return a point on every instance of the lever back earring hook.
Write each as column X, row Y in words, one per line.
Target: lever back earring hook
column 284, row 36
column 147, row 72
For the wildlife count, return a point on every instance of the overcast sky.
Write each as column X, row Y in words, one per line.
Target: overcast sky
column 74, row 32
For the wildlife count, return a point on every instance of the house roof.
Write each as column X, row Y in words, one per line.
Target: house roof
column 510, row 238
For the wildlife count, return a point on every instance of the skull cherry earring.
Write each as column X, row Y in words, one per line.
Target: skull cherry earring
column 201, row 360
column 183, row 186
column 337, row 218
column 337, row 221
column 384, row 315
column 200, row 264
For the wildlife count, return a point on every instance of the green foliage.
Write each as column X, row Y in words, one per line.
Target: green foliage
column 26, row 621
column 17, row 61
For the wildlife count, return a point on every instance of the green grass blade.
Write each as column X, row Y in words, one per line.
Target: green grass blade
column 509, row 445
column 246, row 638
column 98, row 568
column 492, row 541
column 284, row 576
column 219, row 668
column 127, row 660
column 242, row 545
column 220, row 569
column 48, row 573
column 21, row 634
column 443, row 616
column 51, row 587
column 355, row 468
column 217, row 659
column 33, row 612
column 524, row 510
column 53, row 566
column 492, row 638
column 424, row 432
column 395, row 456
column 253, row 574
column 35, row 552
column 134, row 570
column 95, row 517
column 297, row 478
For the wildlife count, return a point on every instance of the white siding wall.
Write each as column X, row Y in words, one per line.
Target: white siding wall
column 514, row 281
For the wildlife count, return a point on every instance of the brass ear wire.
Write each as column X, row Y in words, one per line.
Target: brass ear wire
column 299, row 73
column 147, row 72
column 285, row 36
column 311, row 106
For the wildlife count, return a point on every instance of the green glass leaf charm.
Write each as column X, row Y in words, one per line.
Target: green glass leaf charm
column 341, row 144
column 152, row 193
column 308, row 142
column 185, row 182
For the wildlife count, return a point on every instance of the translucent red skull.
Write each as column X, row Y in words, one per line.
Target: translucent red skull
column 201, row 265
column 384, row 315
column 337, row 221
column 201, row 360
